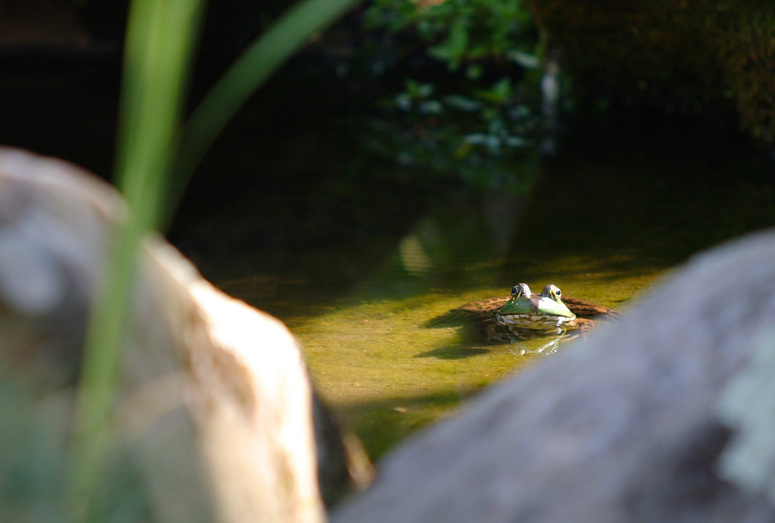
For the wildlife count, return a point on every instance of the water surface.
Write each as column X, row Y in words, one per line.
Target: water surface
column 358, row 267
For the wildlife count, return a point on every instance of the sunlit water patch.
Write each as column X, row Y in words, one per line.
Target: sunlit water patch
column 388, row 372
column 363, row 310
column 388, row 366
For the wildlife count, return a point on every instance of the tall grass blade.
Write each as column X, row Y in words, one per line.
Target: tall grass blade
column 160, row 39
column 278, row 43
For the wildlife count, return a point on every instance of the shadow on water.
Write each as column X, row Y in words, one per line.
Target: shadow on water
column 386, row 421
column 453, row 352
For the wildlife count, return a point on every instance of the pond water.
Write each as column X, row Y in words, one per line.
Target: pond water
column 360, row 258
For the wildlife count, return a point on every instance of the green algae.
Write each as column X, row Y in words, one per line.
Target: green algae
column 387, row 370
column 602, row 228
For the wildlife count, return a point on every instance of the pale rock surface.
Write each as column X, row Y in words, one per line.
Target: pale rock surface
column 215, row 394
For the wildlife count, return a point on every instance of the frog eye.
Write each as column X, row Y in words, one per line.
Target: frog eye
column 552, row 291
column 520, row 290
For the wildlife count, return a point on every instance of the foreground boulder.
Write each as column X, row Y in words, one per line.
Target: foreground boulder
column 657, row 417
column 215, row 416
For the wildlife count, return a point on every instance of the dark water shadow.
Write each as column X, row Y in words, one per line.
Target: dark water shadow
column 453, row 353
column 448, row 319
column 382, row 423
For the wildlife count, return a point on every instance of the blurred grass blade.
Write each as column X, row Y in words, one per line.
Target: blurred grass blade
column 278, row 43
column 159, row 46
column 160, row 40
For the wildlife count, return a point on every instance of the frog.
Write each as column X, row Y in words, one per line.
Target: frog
column 525, row 315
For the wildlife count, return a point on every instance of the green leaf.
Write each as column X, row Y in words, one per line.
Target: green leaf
column 453, row 49
column 474, row 71
column 499, row 93
column 528, row 61
column 461, row 102
column 259, row 61
column 431, row 107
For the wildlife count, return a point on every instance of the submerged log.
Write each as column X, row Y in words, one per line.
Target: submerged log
column 215, row 413
column 643, row 421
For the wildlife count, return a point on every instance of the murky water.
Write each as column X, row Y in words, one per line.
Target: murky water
column 359, row 269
